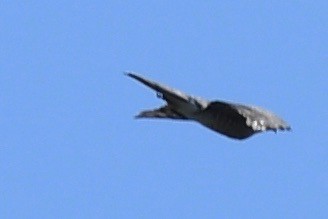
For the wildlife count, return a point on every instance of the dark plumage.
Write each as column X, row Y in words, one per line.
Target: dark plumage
column 231, row 119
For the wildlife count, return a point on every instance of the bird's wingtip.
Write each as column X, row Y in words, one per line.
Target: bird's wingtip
column 133, row 75
column 128, row 73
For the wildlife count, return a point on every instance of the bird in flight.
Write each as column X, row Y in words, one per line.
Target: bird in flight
column 233, row 120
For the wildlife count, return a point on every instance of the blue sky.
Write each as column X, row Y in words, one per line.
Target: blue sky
column 70, row 147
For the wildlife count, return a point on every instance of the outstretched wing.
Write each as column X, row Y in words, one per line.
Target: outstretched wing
column 180, row 105
column 240, row 121
column 169, row 94
column 164, row 112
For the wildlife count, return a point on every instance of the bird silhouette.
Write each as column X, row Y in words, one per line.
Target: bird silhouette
column 233, row 120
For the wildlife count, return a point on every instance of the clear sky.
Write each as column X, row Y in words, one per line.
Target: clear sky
column 70, row 148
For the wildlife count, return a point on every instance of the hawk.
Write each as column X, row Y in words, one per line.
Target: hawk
column 233, row 120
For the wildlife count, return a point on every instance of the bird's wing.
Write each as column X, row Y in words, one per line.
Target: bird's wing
column 178, row 102
column 167, row 92
column 164, row 112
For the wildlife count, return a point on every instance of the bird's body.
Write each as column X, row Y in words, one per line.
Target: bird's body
column 234, row 120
